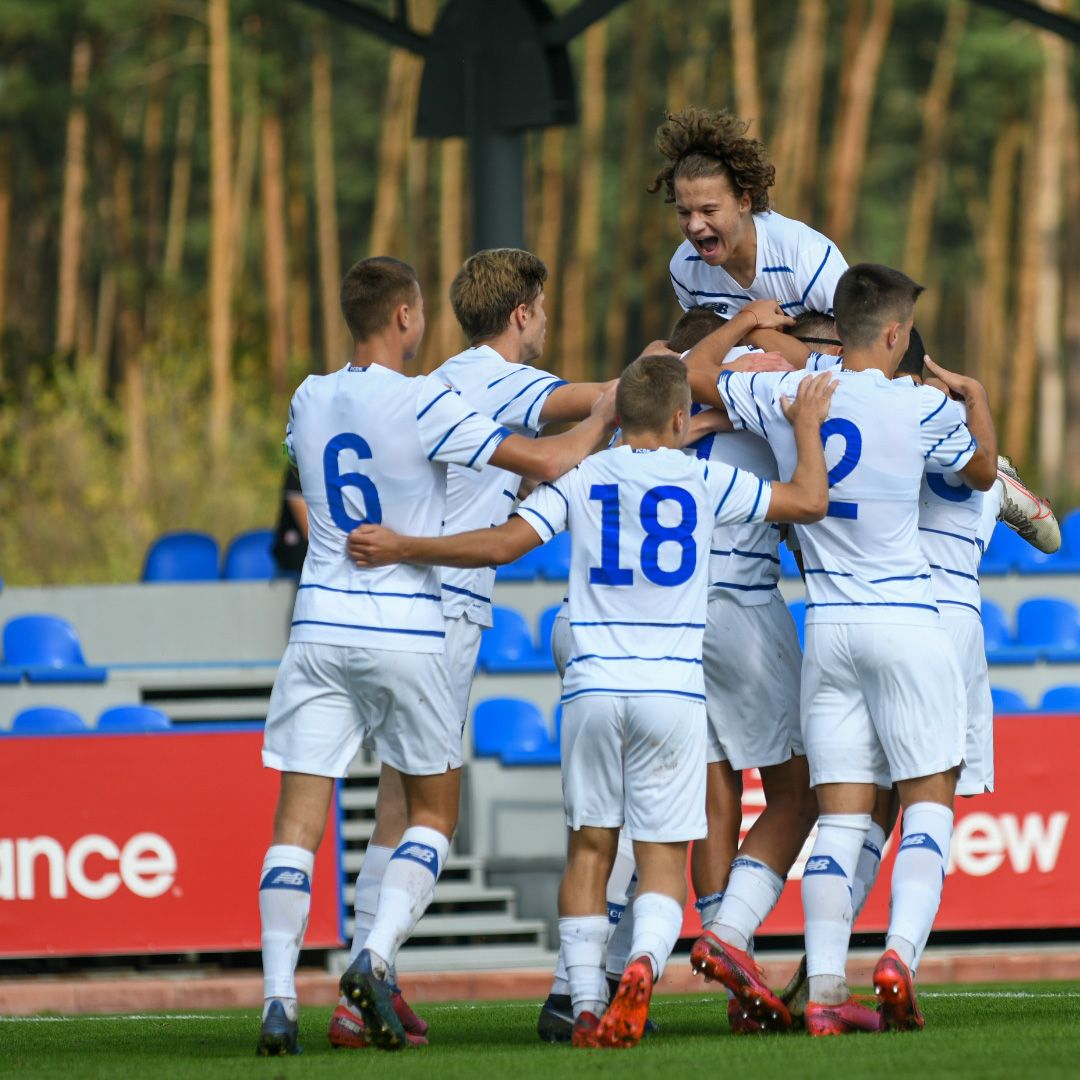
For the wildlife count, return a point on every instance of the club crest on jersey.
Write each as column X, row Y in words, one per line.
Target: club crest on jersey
column 423, row 854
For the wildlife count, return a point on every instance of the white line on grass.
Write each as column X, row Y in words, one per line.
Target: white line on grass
column 123, row 1016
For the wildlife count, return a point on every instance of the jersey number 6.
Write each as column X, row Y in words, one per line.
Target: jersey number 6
column 336, row 481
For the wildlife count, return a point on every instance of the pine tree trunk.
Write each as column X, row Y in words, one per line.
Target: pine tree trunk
column 935, row 110
column 299, row 261
column 180, row 189
column 71, row 220
column 744, row 58
column 275, row 250
column 1071, row 283
column 220, row 231
column 322, row 138
column 5, row 235
column 153, row 173
column 579, row 299
column 247, row 152
column 853, row 125
column 449, row 339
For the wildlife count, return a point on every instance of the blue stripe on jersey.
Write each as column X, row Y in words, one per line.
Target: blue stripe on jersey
column 466, row 592
column 546, row 484
column 509, row 494
column 902, row 577
column 375, row 629
column 943, row 439
column 723, row 499
column 372, row 592
column 747, row 554
column 438, row 445
column 942, row 532
column 831, row 573
column 969, row 446
column 677, row 283
column 692, row 258
column 777, row 270
column 646, row 659
column 955, row 573
column 871, row 603
column 741, row 588
column 792, row 303
column 499, row 433
column 616, row 622
column 960, row 603
column 506, row 404
column 623, row 692
column 757, row 499
column 817, row 274
column 728, row 295
column 501, row 378
column 761, row 419
column 420, row 414
column 543, row 395
column 944, row 402
column 530, row 510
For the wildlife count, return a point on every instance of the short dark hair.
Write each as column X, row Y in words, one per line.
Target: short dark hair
column 812, row 324
column 911, row 363
column 649, row 392
column 490, row 286
column 868, row 296
column 372, row 291
column 693, row 325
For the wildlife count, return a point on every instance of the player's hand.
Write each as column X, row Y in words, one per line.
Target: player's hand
column 709, row 421
column 373, row 545
column 604, row 405
column 957, row 385
column 660, row 348
column 812, row 400
column 769, row 315
column 758, row 361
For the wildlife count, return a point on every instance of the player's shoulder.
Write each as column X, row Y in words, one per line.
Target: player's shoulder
column 790, row 233
column 685, row 257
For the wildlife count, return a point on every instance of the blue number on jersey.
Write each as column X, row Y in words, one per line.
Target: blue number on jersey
column 609, row 572
column 337, row 480
column 845, row 466
column 952, row 492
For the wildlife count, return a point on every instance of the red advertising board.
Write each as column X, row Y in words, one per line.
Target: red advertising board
column 114, row 844
column 1015, row 860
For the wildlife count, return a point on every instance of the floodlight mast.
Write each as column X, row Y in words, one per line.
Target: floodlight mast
column 493, row 70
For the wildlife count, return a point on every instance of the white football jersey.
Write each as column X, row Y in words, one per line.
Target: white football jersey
column 795, row 265
column 513, row 395
column 863, row 561
column 640, row 524
column 373, row 446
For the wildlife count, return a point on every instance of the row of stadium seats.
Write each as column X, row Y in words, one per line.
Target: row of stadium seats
column 194, row 556
column 52, row 720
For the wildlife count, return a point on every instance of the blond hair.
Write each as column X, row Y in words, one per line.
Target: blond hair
column 490, row 286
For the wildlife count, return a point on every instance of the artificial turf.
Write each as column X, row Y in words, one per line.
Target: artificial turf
column 1020, row 1030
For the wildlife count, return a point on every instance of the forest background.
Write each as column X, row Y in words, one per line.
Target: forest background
column 183, row 183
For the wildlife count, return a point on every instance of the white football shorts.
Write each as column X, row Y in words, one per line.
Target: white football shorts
column 977, row 775
column 562, row 641
column 327, row 699
column 752, row 663
column 881, row 703
column 636, row 763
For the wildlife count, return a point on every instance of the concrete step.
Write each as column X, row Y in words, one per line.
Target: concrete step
column 455, row 958
column 454, row 892
column 493, row 927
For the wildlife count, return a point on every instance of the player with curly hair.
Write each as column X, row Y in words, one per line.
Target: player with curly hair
column 737, row 248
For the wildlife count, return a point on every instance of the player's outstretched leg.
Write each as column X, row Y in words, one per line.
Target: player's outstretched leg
column 893, row 986
column 1024, row 512
column 739, row 972
column 365, row 983
column 623, row 1023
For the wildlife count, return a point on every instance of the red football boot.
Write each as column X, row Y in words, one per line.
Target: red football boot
column 413, row 1024
column 346, row 1031
column 740, row 1023
column 585, row 1026
column 738, row 972
column 846, row 1018
column 892, row 984
column 623, row 1023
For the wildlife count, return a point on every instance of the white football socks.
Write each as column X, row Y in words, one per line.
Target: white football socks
column 867, row 871
column 621, row 930
column 752, row 892
column 918, row 878
column 583, row 938
column 408, row 886
column 657, row 922
column 366, row 902
column 826, row 894
column 284, row 904
column 708, row 907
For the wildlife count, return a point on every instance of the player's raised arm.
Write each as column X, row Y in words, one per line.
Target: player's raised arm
column 374, row 545
column 981, row 471
column 572, row 401
column 805, row 498
column 709, row 353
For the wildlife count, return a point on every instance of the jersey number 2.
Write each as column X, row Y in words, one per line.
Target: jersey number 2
column 336, row 481
column 609, row 572
column 852, row 437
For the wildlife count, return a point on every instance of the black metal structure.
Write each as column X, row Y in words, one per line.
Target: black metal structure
column 494, row 69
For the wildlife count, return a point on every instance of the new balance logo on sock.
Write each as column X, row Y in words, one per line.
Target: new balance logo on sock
column 872, row 848
column 286, row 877
column 823, row 864
column 920, row 839
column 705, row 901
column 419, row 853
column 746, row 862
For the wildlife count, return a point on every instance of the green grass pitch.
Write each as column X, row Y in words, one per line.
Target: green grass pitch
column 1028, row 1030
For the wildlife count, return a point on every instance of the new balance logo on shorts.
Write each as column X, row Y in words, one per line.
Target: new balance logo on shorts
column 286, row 877
column 419, row 853
column 823, row 864
column 920, row 839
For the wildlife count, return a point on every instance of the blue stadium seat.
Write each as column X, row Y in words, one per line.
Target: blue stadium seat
column 789, row 568
column 1007, row 701
column 555, row 558
column 182, row 556
column 249, row 558
column 527, row 568
column 1001, row 648
column 46, row 648
column 1005, row 552
column 9, row 675
column 132, row 718
column 1061, row 699
column 1066, row 560
column 499, row 723
column 1052, row 626
column 509, row 646
column 798, row 613
column 47, row 720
